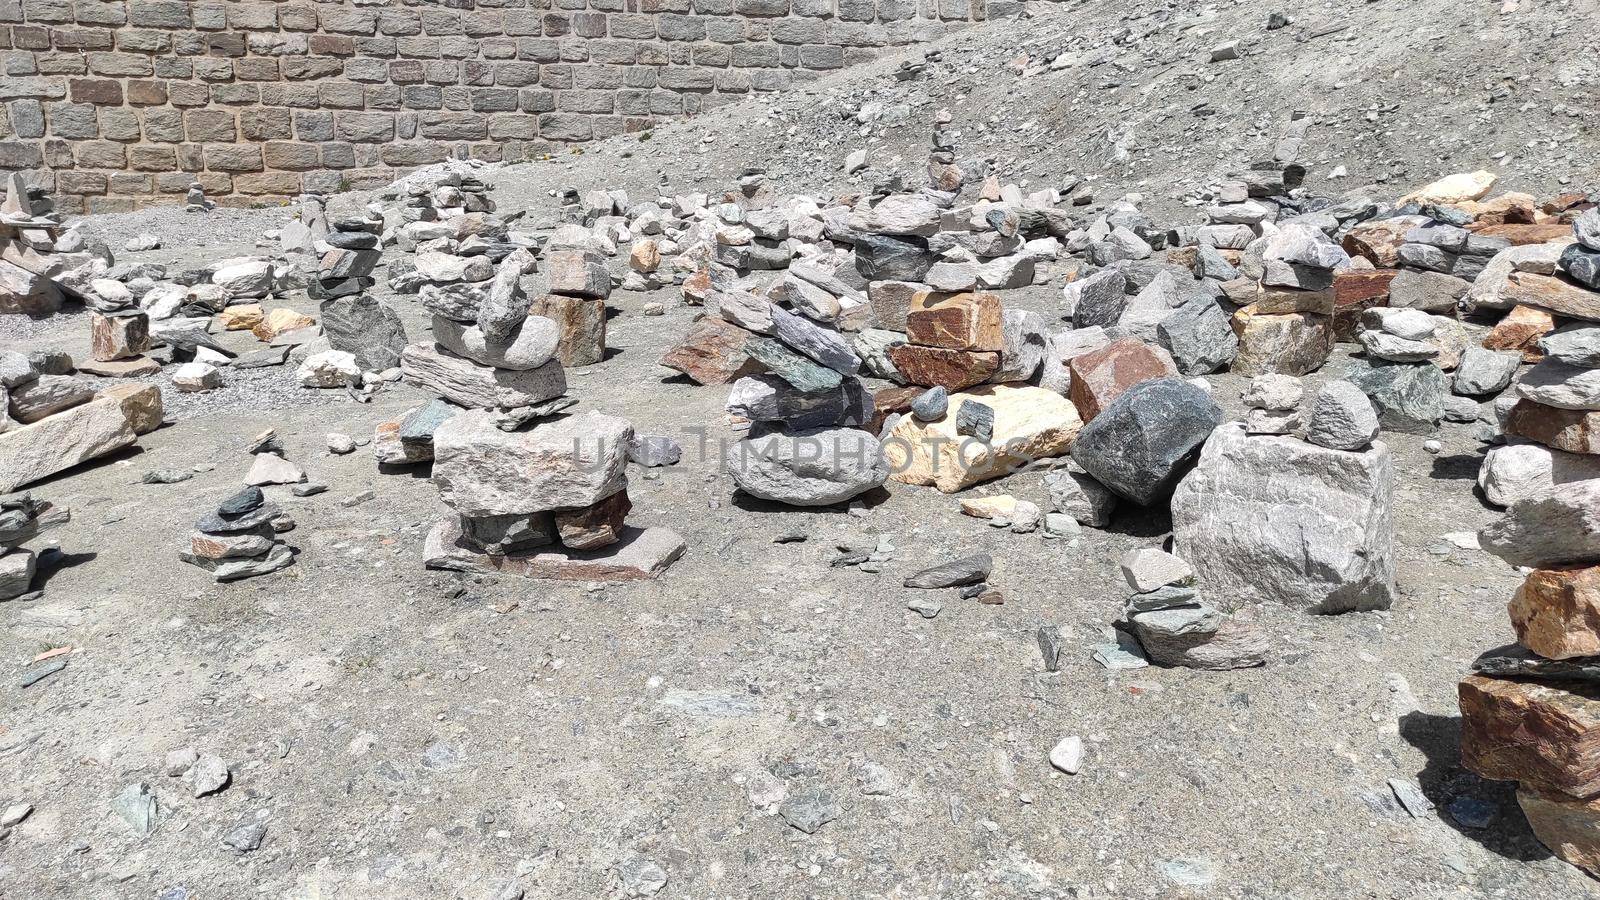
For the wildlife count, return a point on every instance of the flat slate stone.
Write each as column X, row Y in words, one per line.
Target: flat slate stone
column 957, row 573
column 638, row 555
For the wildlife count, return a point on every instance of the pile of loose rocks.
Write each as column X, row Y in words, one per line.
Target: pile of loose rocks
column 549, row 501
column 239, row 539
column 21, row 519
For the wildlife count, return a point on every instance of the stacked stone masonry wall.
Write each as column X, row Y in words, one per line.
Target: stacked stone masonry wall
column 115, row 104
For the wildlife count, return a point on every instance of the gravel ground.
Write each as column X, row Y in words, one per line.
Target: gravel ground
column 412, row 734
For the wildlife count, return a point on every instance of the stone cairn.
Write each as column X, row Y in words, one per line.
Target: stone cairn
column 238, row 539
column 550, row 501
column 364, row 335
column 195, row 199
column 1531, row 711
column 33, row 250
column 579, row 283
column 21, row 520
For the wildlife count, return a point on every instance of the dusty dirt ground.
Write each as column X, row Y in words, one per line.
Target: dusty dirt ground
column 413, row 734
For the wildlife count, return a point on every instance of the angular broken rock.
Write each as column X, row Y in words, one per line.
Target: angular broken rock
column 1199, row 337
column 1409, row 397
column 1029, row 424
column 270, row 468
column 1559, row 526
column 712, row 352
column 1575, row 431
column 950, row 369
column 1139, row 445
column 328, row 369
column 1026, row 343
column 1076, row 493
column 816, row 467
column 118, row 337
column 1277, row 519
column 1556, row 612
column 578, row 273
column 967, row 570
column 1553, row 293
column 1101, row 376
column 1521, row 330
column 47, row 395
column 1147, row 568
column 1517, row 471
column 1544, row 735
column 969, row 321
column 1292, row 343
column 466, row 383
column 1570, row 827
column 37, row 451
column 529, row 347
column 1341, row 417
column 581, row 323
column 366, row 328
column 564, row 463
column 1556, row 384
column 596, row 526
column 1199, row 638
column 1482, row 371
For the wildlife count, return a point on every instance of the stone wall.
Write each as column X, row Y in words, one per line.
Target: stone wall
column 115, row 104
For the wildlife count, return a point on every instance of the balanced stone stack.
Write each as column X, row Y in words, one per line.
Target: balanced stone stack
column 364, row 335
column 1530, row 713
column 1305, row 523
column 51, row 420
column 238, row 539
column 21, row 520
column 118, row 328
column 453, row 204
column 1175, row 627
column 549, row 501
column 579, row 283
column 29, row 251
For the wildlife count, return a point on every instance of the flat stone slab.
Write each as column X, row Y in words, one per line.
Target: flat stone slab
column 466, row 383
column 138, row 367
column 59, row 442
column 639, row 555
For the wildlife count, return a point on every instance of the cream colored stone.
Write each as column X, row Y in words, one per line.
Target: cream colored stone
column 1030, row 423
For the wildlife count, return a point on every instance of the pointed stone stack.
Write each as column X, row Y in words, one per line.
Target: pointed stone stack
column 1530, row 713
column 549, row 501
column 237, row 540
column 28, row 232
column 21, row 520
column 364, row 335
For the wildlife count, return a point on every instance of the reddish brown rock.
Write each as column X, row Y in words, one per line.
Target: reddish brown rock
column 1355, row 290
column 1572, row 430
column 1379, row 241
column 969, row 321
column 712, row 352
column 582, row 321
column 118, row 337
column 1556, row 612
column 1272, row 300
column 1568, row 826
column 1544, row 734
column 1101, row 376
column 951, row 369
column 1520, row 330
column 1508, row 208
column 889, row 401
column 697, row 287
column 1558, row 295
column 594, row 526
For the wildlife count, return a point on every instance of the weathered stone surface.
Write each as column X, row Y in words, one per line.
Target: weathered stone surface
column 17, row 567
column 1409, row 397
column 564, row 463
column 277, row 557
column 270, row 468
column 1554, row 383
column 244, row 545
column 821, row 345
column 59, row 442
column 1517, row 471
column 48, row 395
column 531, row 346
column 1293, row 344
column 1568, row 826
column 712, row 352
column 366, row 328
column 1556, row 612
column 768, row 398
column 1199, row 337
column 1355, row 291
column 118, row 337
column 951, row 369
column 328, row 369
column 968, row 321
column 881, row 257
column 595, row 526
column 956, row 573
column 1098, row 299
column 1553, row 293
column 281, row 321
column 1030, row 424
column 1556, row 527
column 1488, row 288
column 639, row 555
column 1228, row 644
column 1545, row 735
column 1482, row 371
column 581, row 322
column 890, row 301
column 578, row 273
column 1139, row 445
column 804, row 373
column 1577, row 344
column 1025, row 344
column 141, row 404
column 465, row 383
column 1521, row 330
column 1101, row 376
column 24, row 293
column 1433, row 292
column 1282, row 520
column 817, row 467
column 1575, row 431
column 1075, row 492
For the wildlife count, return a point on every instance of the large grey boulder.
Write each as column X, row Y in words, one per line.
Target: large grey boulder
column 1139, row 445
column 882, row 257
column 1483, row 371
column 1556, row 527
column 530, row 346
column 1282, row 520
column 1198, row 336
column 564, row 463
column 808, row 468
column 1097, row 300
column 1514, row 472
column 822, row 345
column 366, row 328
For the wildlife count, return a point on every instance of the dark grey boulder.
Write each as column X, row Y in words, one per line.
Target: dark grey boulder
column 366, row 328
column 1146, row 439
column 1409, row 397
column 882, row 257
